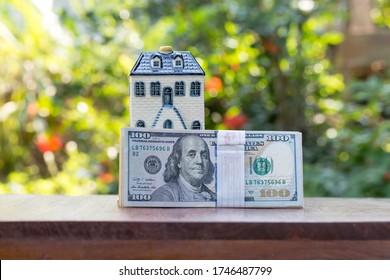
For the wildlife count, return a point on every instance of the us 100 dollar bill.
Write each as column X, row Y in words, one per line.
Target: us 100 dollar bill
column 194, row 168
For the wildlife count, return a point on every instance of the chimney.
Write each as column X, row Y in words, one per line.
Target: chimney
column 165, row 49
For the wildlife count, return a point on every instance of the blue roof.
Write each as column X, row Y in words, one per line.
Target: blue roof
column 143, row 65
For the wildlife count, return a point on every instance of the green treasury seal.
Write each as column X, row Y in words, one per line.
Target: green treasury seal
column 261, row 166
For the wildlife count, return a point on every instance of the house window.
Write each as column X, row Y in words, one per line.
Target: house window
column 179, row 88
column 167, row 124
column 155, row 88
column 156, row 61
column 196, row 125
column 178, row 60
column 140, row 124
column 195, row 89
column 139, row 89
column 178, row 63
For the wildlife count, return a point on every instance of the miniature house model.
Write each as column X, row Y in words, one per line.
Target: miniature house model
column 167, row 91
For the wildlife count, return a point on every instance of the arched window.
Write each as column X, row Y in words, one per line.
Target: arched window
column 139, row 89
column 196, row 125
column 155, row 88
column 179, row 88
column 167, row 124
column 140, row 124
column 195, row 89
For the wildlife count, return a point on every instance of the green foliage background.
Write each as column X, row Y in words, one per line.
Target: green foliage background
column 64, row 87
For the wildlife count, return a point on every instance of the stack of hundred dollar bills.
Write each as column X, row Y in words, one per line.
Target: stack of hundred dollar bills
column 210, row 168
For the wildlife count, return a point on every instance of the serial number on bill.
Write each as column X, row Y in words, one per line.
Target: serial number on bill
column 150, row 148
column 265, row 182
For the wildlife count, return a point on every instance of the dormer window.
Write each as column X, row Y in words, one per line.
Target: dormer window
column 178, row 63
column 156, row 61
column 178, row 60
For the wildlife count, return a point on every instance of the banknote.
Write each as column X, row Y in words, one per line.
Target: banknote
column 210, row 168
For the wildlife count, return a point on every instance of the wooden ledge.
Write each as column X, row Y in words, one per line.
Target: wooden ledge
column 93, row 227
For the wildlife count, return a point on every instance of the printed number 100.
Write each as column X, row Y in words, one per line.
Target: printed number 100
column 140, row 197
column 274, row 193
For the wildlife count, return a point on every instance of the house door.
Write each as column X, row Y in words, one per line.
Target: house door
column 167, row 96
column 167, row 124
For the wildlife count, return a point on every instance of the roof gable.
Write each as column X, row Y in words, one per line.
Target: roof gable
column 143, row 65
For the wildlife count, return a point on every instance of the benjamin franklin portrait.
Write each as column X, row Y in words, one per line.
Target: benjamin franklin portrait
column 187, row 172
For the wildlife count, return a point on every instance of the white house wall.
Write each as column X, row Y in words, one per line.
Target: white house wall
column 146, row 107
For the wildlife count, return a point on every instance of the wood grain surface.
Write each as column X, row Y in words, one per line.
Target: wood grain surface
column 93, row 227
